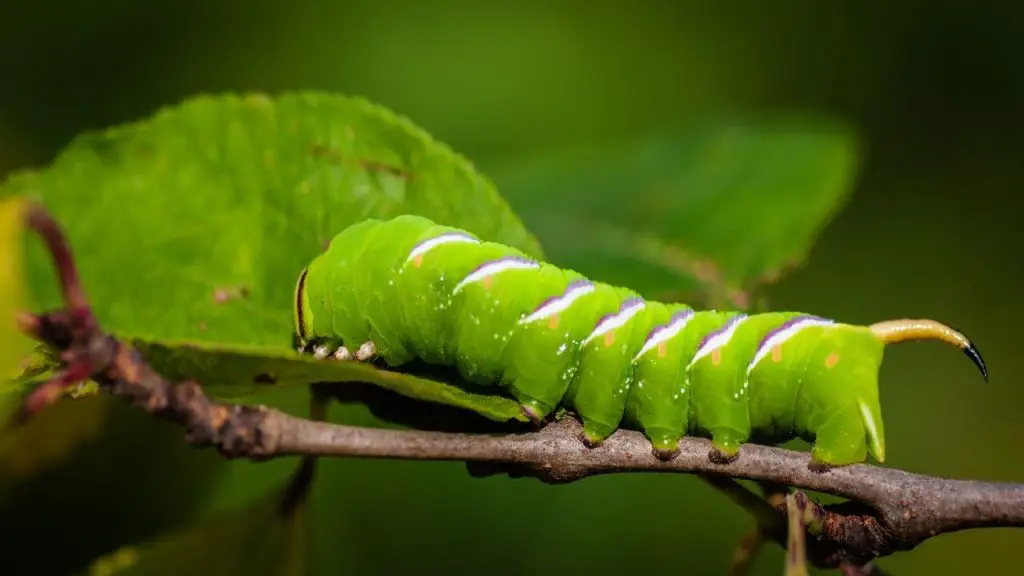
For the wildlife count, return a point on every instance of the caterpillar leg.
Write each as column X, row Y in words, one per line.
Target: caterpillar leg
column 366, row 351
column 323, row 351
column 594, row 433
column 838, row 443
column 725, row 445
column 664, row 442
column 535, row 410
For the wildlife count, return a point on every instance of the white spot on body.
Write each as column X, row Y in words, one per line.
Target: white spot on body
column 616, row 321
column 422, row 248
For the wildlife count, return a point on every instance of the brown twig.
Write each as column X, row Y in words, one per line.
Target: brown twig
column 889, row 511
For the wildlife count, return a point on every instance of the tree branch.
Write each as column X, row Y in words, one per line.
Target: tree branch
column 889, row 511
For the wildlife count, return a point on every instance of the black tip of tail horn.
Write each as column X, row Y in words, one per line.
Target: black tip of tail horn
column 972, row 352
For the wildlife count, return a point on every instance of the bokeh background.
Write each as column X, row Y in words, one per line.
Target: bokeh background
column 934, row 88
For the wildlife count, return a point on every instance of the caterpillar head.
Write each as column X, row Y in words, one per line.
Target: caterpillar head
column 303, row 311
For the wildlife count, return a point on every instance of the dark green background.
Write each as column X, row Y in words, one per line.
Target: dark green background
column 934, row 87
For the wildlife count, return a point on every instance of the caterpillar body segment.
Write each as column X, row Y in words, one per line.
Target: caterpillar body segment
column 408, row 289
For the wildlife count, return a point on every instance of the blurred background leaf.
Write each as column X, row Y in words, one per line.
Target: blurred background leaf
column 87, row 477
column 933, row 89
column 713, row 209
column 267, row 538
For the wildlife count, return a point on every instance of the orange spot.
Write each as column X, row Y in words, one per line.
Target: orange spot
column 418, row 261
column 553, row 321
column 777, row 354
column 716, row 357
column 609, row 338
column 832, row 360
column 488, row 282
column 662, row 350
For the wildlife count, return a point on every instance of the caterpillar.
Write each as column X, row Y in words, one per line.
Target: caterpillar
column 409, row 289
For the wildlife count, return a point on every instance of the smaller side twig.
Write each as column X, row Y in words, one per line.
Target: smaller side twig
column 769, row 521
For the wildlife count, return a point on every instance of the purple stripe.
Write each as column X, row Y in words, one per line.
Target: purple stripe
column 440, row 236
column 677, row 317
column 790, row 323
column 624, row 306
column 448, row 235
column 499, row 260
column 795, row 322
column 603, row 319
column 575, row 284
column 630, row 303
column 681, row 315
column 481, row 272
column 725, row 328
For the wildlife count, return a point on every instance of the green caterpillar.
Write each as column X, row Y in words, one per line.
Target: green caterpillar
column 409, row 289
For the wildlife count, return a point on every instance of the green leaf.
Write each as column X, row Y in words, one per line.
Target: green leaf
column 715, row 208
column 193, row 225
column 270, row 537
column 233, row 372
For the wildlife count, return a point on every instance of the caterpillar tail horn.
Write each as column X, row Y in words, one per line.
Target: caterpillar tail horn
column 893, row 331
